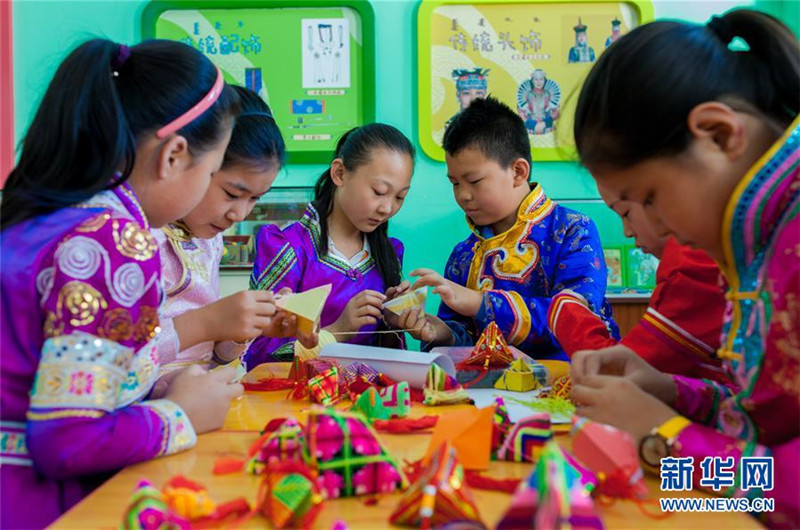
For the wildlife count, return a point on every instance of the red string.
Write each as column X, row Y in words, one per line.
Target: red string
column 273, row 425
column 269, row 384
column 179, row 481
column 372, row 500
column 405, row 425
column 225, row 465
column 482, row 482
column 233, row 513
column 480, row 376
column 256, row 446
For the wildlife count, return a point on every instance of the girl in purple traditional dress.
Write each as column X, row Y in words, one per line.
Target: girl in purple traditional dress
column 342, row 240
column 124, row 139
column 197, row 327
column 710, row 145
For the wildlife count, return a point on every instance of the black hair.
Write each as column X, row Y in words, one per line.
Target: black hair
column 102, row 99
column 636, row 98
column 256, row 140
column 491, row 126
column 355, row 148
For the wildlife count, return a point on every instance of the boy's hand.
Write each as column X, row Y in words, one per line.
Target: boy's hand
column 427, row 328
column 394, row 292
column 460, row 299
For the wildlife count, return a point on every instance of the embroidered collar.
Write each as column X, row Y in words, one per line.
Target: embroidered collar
column 759, row 203
column 311, row 222
column 535, row 207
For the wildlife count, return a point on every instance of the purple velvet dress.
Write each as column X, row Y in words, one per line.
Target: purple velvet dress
column 288, row 257
column 80, row 299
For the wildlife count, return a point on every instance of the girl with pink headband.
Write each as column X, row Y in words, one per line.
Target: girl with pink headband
column 124, row 140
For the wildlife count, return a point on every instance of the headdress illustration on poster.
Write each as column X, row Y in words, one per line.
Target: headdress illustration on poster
column 530, row 54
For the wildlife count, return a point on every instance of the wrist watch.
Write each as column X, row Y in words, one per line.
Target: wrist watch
column 658, row 443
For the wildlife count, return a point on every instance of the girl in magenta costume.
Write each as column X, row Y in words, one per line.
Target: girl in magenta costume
column 710, row 146
column 197, row 327
column 342, row 240
column 124, row 139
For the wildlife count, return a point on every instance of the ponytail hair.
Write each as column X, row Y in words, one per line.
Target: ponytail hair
column 103, row 99
column 355, row 148
column 256, row 141
column 636, row 98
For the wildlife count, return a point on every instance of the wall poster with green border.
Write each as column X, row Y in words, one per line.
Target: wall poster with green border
column 313, row 62
column 531, row 54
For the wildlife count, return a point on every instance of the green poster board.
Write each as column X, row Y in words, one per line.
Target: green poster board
column 312, row 62
column 531, row 54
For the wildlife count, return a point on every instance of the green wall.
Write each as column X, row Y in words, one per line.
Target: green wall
column 430, row 223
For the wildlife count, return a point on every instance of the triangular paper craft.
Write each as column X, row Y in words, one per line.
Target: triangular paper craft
column 440, row 496
column 470, row 432
column 612, row 454
column 527, row 439
column 307, row 306
column 491, row 350
column 518, row 377
column 410, row 300
column 344, row 450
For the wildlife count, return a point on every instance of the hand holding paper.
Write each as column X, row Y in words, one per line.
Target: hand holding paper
column 306, row 306
column 362, row 310
column 427, row 328
column 457, row 297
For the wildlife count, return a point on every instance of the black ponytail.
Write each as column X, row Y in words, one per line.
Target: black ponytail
column 256, row 140
column 102, row 99
column 355, row 148
column 636, row 98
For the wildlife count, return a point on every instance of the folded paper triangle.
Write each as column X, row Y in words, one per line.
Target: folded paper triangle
column 411, row 300
column 283, row 444
column 612, row 455
column 470, row 433
column 347, row 455
column 518, row 377
column 387, row 403
column 527, row 439
column 556, row 496
column 440, row 496
column 491, row 350
column 442, row 389
column 307, row 306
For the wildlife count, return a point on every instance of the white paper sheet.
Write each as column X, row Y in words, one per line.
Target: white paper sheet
column 400, row 365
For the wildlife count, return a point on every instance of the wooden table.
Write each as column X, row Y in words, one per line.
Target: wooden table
column 104, row 508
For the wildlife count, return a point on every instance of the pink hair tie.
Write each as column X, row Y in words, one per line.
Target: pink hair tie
column 193, row 113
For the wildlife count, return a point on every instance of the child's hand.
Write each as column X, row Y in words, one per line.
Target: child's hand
column 284, row 324
column 457, row 297
column 241, row 316
column 618, row 401
column 623, row 362
column 394, row 292
column 237, row 317
column 205, row 396
column 426, row 328
column 362, row 310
